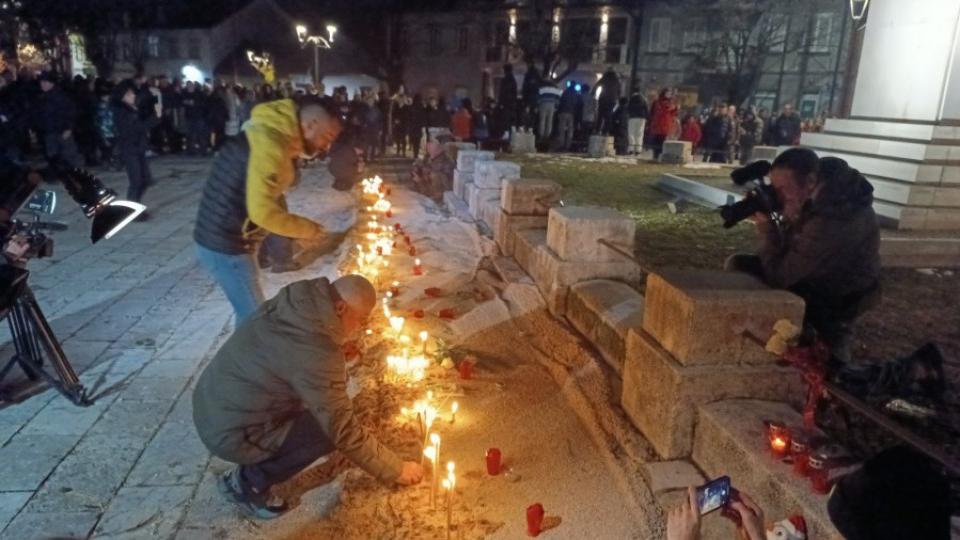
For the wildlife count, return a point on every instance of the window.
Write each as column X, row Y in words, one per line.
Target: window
column 433, row 31
column 776, row 32
column 463, row 40
column 193, row 47
column 659, row 35
column 822, row 27
column 617, row 31
column 173, row 48
column 153, row 47
column 694, row 38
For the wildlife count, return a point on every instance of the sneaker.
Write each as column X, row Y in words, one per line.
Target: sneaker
column 253, row 505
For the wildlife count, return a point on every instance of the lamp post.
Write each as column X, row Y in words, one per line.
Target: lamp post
column 858, row 8
column 318, row 42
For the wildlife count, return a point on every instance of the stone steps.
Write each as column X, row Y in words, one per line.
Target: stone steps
column 604, row 312
column 730, row 439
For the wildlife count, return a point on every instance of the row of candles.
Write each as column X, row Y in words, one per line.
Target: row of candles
column 408, row 362
column 785, row 443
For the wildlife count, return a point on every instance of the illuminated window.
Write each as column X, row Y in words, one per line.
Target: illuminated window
column 153, row 46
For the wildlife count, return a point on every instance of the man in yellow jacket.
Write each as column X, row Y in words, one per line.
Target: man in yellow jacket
column 243, row 199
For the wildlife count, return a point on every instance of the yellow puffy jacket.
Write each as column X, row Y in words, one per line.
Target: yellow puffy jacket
column 275, row 143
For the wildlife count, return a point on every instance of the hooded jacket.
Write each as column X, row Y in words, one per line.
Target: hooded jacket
column 243, row 197
column 283, row 361
column 831, row 255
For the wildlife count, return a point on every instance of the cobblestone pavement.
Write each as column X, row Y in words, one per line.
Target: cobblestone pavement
column 137, row 317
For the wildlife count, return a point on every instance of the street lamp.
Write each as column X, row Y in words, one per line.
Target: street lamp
column 858, row 8
column 318, row 42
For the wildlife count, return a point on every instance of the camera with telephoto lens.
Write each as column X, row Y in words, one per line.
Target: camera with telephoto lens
column 761, row 199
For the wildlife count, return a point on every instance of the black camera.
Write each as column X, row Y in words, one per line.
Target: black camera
column 761, row 199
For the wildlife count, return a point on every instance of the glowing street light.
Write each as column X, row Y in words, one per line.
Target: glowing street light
column 858, row 8
column 318, row 42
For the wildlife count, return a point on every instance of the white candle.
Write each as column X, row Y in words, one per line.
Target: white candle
column 454, row 407
column 435, row 481
column 423, row 340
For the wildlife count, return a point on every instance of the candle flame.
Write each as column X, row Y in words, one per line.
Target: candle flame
column 430, row 453
column 424, row 335
column 455, row 407
column 435, row 439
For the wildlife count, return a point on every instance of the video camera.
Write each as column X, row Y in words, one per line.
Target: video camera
column 761, row 199
column 38, row 352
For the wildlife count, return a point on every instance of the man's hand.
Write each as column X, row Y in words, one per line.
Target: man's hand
column 683, row 522
column 411, row 474
column 751, row 517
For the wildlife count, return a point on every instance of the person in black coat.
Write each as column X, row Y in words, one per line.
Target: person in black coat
column 507, row 98
column 417, row 120
column 55, row 116
column 132, row 140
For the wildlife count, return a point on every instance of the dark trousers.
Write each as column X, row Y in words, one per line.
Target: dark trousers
column 657, row 144
column 835, row 331
column 138, row 175
column 63, row 150
column 415, row 142
column 305, row 443
column 198, row 137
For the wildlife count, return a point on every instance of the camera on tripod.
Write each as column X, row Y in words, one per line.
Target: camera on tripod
column 761, row 199
column 38, row 353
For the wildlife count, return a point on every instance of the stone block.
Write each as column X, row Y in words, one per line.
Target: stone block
column 701, row 316
column 525, row 246
column 599, row 146
column 467, row 159
column 664, row 476
column 490, row 212
column 573, row 233
column 508, row 225
column 457, row 206
column 460, row 181
column 604, row 312
column 731, row 439
column 491, row 174
column 660, row 395
column 529, row 196
column 554, row 276
column 476, row 196
column 523, row 142
column 768, row 153
column 453, row 149
column 677, row 152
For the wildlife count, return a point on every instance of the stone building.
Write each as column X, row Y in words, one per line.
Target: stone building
column 804, row 59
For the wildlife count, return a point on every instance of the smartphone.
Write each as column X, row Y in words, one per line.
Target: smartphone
column 713, row 495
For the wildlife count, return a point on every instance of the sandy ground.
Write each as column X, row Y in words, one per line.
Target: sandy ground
column 512, row 403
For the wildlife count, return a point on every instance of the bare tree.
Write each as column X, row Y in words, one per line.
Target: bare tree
column 556, row 46
column 742, row 38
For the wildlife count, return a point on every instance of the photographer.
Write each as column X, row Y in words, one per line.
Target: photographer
column 827, row 248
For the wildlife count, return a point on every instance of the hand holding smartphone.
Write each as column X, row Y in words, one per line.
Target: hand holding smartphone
column 713, row 495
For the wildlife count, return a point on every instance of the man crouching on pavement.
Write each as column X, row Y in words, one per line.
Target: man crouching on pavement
column 273, row 400
column 828, row 250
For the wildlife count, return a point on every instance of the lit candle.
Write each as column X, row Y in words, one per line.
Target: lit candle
column 417, row 268
column 397, row 324
column 448, row 488
column 430, row 453
column 454, row 407
column 435, row 481
column 451, row 485
column 423, row 340
column 779, row 436
column 395, row 288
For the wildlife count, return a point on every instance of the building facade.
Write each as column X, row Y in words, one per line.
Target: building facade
column 796, row 52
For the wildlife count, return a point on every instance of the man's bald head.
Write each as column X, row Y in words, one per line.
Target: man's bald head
column 357, row 293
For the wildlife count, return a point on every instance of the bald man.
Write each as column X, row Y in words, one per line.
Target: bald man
column 243, row 199
column 273, row 400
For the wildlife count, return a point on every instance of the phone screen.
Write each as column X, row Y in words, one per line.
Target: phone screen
column 713, row 494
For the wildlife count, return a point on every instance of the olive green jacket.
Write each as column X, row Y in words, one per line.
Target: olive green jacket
column 284, row 360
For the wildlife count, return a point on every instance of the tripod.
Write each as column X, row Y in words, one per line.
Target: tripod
column 35, row 343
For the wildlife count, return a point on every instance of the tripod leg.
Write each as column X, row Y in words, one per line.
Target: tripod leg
column 65, row 380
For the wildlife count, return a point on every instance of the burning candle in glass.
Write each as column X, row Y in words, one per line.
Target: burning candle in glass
column 423, row 341
column 417, row 268
column 801, row 455
column 779, row 436
column 395, row 288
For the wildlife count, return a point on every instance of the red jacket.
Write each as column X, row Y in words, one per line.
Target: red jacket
column 691, row 132
column 663, row 116
column 461, row 124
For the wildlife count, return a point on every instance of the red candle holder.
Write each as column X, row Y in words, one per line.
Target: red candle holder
column 819, row 473
column 379, row 251
column 535, row 515
column 801, row 456
column 389, row 213
column 779, row 436
column 494, row 458
column 466, row 369
column 395, row 290
column 417, row 268
column 397, row 227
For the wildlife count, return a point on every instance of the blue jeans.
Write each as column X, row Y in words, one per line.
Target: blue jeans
column 238, row 276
